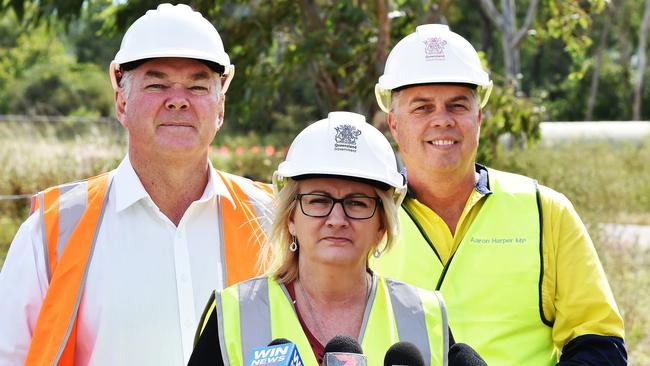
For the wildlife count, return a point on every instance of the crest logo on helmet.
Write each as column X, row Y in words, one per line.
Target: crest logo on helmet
column 434, row 48
column 346, row 138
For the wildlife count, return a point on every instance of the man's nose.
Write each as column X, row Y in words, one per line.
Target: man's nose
column 177, row 102
column 442, row 118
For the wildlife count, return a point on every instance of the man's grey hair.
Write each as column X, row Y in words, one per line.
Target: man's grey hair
column 126, row 83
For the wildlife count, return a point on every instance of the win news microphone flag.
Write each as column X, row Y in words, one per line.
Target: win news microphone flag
column 280, row 352
column 344, row 351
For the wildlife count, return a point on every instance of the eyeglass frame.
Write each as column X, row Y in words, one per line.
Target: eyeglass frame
column 377, row 200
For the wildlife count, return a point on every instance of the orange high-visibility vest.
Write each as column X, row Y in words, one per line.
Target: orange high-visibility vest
column 70, row 217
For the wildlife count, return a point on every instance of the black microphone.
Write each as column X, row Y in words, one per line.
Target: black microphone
column 343, row 351
column 279, row 341
column 404, row 354
column 461, row 354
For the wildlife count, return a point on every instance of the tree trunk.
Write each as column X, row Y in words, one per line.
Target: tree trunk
column 383, row 35
column 511, row 36
column 624, row 49
column 437, row 12
column 638, row 85
column 602, row 43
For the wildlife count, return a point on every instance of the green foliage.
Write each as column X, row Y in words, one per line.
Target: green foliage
column 321, row 60
column 39, row 77
column 91, row 38
column 507, row 113
column 510, row 115
column 298, row 61
column 570, row 21
column 567, row 99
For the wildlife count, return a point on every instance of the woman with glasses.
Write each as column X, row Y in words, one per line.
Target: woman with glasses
column 337, row 197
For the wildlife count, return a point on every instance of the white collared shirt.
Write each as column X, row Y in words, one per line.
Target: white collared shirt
column 147, row 286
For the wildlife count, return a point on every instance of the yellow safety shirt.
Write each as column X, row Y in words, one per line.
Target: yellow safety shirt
column 576, row 297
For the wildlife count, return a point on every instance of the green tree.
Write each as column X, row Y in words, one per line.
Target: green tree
column 296, row 61
column 39, row 77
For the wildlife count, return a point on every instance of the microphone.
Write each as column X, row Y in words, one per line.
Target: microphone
column 279, row 341
column 280, row 352
column 461, row 354
column 343, row 351
column 403, row 354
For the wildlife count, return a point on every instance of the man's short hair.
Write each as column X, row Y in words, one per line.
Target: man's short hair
column 394, row 94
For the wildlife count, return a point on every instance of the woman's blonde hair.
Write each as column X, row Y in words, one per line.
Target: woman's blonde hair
column 281, row 263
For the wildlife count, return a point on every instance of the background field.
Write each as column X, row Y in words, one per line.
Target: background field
column 608, row 183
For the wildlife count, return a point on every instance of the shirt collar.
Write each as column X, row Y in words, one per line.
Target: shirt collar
column 482, row 184
column 129, row 188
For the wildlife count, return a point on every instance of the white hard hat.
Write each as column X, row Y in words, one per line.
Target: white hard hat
column 344, row 145
column 172, row 31
column 432, row 54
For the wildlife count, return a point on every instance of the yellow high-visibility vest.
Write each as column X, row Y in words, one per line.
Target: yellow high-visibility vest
column 253, row 313
column 491, row 284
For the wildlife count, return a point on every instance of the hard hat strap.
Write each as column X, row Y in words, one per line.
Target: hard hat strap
column 484, row 93
column 226, row 78
column 383, row 98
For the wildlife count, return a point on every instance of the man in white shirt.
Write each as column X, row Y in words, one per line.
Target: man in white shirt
column 116, row 270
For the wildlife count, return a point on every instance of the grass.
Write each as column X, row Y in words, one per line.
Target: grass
column 606, row 183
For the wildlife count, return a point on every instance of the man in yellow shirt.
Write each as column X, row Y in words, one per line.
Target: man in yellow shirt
column 521, row 278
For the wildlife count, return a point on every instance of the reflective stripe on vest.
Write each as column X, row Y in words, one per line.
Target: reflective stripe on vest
column 244, row 231
column 253, row 313
column 491, row 283
column 70, row 216
column 56, row 322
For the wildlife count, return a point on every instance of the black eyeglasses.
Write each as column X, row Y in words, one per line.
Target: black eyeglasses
column 358, row 207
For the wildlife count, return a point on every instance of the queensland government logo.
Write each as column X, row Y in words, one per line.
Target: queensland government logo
column 434, row 48
column 346, row 138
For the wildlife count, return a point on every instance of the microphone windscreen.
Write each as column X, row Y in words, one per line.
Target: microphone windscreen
column 344, row 344
column 403, row 353
column 461, row 354
column 343, row 351
column 279, row 341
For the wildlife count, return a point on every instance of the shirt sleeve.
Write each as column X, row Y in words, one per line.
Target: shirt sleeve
column 23, row 284
column 576, row 295
column 594, row 350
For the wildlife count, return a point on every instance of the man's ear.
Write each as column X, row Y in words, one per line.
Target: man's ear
column 392, row 124
column 120, row 107
column 221, row 111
